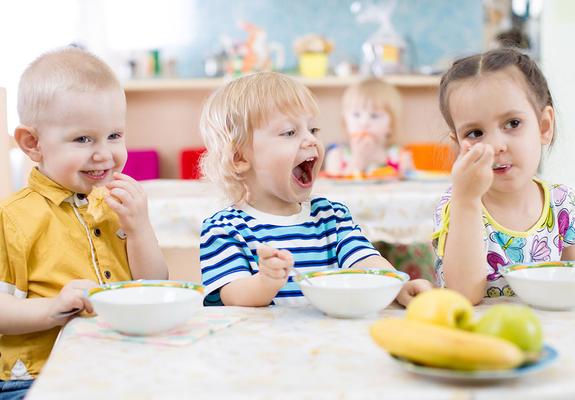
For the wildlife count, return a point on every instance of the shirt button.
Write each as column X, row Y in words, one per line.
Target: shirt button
column 97, row 232
column 107, row 274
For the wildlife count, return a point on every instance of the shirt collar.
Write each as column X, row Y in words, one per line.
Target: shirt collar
column 45, row 186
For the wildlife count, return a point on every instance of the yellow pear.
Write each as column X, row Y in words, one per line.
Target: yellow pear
column 443, row 307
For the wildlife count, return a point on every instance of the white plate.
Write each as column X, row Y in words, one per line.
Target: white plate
column 548, row 357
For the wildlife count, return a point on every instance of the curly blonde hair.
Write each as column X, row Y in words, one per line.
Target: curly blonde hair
column 373, row 93
column 233, row 112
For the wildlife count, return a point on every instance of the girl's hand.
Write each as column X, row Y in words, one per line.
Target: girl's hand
column 128, row 199
column 274, row 266
column 412, row 289
column 472, row 172
column 71, row 297
column 363, row 148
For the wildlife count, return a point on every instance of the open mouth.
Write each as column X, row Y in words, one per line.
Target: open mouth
column 500, row 167
column 303, row 172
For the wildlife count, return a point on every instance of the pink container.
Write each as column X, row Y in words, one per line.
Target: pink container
column 143, row 164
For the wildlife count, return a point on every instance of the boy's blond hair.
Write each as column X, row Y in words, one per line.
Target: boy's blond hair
column 67, row 69
column 375, row 94
column 233, row 112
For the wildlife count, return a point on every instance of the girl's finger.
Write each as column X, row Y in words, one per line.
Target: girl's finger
column 466, row 145
column 487, row 156
column 472, row 156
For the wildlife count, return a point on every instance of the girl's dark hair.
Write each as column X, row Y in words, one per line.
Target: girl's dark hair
column 491, row 61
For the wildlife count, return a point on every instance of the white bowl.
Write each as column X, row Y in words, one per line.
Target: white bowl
column 546, row 285
column 146, row 307
column 351, row 293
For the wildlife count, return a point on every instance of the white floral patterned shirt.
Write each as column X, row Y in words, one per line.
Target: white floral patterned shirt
column 544, row 241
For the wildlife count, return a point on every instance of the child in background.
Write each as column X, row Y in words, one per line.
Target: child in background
column 263, row 149
column 371, row 111
column 500, row 112
column 72, row 112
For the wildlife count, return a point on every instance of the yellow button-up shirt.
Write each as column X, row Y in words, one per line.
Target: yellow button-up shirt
column 47, row 239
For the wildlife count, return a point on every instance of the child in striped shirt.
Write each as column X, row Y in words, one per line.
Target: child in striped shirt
column 263, row 150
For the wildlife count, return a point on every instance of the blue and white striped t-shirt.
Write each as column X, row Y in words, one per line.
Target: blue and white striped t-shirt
column 322, row 235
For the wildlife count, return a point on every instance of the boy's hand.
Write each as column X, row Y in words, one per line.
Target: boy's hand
column 274, row 265
column 128, row 199
column 412, row 289
column 71, row 297
column 472, row 172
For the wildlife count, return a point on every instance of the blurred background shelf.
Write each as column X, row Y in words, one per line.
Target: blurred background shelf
column 163, row 114
column 145, row 85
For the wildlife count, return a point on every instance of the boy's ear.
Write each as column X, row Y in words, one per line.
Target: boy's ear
column 241, row 164
column 547, row 124
column 27, row 140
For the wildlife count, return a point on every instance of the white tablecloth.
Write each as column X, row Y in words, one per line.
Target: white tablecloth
column 394, row 212
column 278, row 353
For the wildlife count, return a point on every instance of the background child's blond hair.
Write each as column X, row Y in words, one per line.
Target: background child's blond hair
column 375, row 94
column 233, row 112
column 67, row 69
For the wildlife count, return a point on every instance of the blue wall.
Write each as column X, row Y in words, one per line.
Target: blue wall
column 439, row 29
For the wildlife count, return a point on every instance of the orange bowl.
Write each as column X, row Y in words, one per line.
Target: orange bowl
column 431, row 156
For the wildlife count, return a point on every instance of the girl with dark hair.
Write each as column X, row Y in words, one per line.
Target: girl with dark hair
column 497, row 212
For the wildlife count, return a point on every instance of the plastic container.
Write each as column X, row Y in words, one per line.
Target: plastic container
column 190, row 163
column 313, row 65
column 431, row 156
column 142, row 164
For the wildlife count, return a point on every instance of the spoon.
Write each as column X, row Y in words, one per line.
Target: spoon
column 302, row 276
column 65, row 314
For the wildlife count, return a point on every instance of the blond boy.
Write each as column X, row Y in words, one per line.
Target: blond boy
column 72, row 112
column 264, row 151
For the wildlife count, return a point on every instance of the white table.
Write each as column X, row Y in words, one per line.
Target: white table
column 278, row 353
column 394, row 212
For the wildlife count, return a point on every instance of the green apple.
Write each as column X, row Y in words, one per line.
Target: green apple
column 441, row 307
column 516, row 323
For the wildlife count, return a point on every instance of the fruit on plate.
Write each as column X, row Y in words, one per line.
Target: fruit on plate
column 440, row 346
column 383, row 172
column 359, row 134
column 516, row 323
column 443, row 307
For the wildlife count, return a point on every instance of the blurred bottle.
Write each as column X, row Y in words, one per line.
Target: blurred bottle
column 384, row 51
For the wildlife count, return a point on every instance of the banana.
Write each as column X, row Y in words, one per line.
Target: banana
column 439, row 346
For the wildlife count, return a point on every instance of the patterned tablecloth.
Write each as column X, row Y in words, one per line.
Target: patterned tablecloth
column 393, row 212
column 277, row 353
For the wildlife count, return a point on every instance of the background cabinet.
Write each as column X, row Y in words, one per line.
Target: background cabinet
column 164, row 114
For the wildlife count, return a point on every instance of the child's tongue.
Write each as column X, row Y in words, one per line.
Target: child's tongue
column 302, row 172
